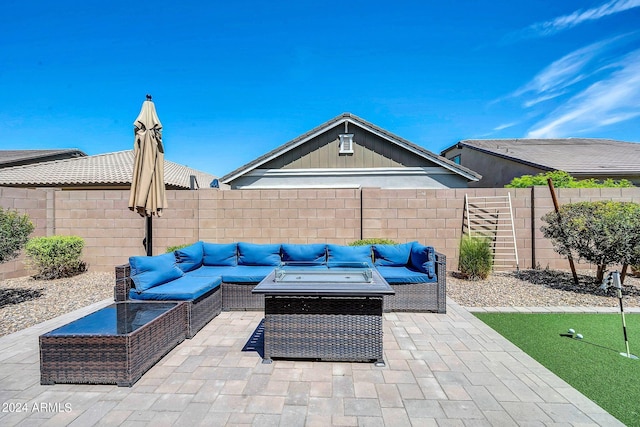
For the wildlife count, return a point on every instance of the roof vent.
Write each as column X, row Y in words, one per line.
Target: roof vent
column 346, row 143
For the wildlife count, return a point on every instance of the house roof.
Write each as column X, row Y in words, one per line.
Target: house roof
column 352, row 119
column 578, row 156
column 10, row 158
column 114, row 169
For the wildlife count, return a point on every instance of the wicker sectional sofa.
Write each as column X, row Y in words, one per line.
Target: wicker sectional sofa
column 212, row 277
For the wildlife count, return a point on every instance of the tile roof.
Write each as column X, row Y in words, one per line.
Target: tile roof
column 110, row 169
column 572, row 155
column 351, row 118
column 19, row 157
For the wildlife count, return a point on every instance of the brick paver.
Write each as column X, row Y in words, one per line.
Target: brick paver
column 442, row 369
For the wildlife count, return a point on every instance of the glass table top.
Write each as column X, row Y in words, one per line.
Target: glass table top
column 345, row 272
column 116, row 319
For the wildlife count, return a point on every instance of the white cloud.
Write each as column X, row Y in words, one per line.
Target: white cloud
column 553, row 81
column 568, row 21
column 608, row 101
column 505, row 126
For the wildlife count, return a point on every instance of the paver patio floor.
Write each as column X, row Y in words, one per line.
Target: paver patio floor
column 441, row 369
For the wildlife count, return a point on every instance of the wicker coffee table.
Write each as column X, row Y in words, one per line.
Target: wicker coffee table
column 315, row 312
column 114, row 345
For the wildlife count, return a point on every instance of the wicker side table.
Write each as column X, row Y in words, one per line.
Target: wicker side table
column 114, row 345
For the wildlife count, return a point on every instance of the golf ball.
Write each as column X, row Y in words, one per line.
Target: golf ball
column 572, row 331
column 579, row 336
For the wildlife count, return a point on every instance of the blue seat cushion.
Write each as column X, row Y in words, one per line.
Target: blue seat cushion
column 190, row 257
column 316, row 252
column 257, row 254
column 392, row 255
column 247, row 273
column 186, row 288
column 342, row 255
column 397, row 275
column 151, row 271
column 220, row 253
column 210, row 271
column 423, row 258
column 237, row 274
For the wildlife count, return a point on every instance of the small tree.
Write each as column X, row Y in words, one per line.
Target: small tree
column 602, row 233
column 562, row 179
column 14, row 233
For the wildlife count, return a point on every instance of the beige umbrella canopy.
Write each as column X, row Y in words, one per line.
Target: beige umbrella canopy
column 147, row 195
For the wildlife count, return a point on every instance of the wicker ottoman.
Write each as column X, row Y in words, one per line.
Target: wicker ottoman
column 114, row 345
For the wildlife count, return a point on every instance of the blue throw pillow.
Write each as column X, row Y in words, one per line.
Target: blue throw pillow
column 215, row 254
column 392, row 255
column 306, row 253
column 423, row 259
column 191, row 257
column 150, row 271
column 337, row 254
column 256, row 254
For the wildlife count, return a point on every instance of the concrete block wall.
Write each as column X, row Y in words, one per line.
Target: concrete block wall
column 113, row 233
column 274, row 216
column 435, row 217
column 39, row 205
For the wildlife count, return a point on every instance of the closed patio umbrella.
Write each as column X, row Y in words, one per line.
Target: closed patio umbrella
column 147, row 195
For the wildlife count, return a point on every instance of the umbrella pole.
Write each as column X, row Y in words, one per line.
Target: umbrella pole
column 148, row 240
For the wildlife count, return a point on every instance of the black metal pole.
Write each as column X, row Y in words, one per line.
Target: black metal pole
column 149, row 236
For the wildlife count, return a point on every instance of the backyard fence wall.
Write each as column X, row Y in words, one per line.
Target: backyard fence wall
column 112, row 232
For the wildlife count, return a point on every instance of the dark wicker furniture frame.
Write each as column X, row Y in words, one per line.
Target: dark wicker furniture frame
column 199, row 312
column 111, row 359
column 341, row 328
column 421, row 297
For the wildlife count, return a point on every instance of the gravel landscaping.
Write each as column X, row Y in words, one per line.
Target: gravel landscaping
column 25, row 302
column 540, row 288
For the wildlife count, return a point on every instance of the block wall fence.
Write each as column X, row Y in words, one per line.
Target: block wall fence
column 112, row 232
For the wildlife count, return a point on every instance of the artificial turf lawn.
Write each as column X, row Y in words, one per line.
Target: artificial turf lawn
column 592, row 365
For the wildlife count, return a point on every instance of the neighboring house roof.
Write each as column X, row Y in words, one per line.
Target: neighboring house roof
column 576, row 156
column 9, row 158
column 110, row 169
column 350, row 118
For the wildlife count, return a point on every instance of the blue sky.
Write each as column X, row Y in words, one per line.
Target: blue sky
column 232, row 81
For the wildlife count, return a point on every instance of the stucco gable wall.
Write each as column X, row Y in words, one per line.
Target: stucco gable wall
column 496, row 171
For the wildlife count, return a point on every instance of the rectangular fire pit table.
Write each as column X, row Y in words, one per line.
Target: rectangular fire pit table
column 114, row 345
column 324, row 312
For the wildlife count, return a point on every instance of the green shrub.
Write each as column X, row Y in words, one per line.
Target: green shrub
column 177, row 247
column 56, row 256
column 476, row 257
column 374, row 241
column 562, row 179
column 14, row 233
column 602, row 233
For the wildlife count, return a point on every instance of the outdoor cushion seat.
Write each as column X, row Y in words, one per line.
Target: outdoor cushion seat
column 210, row 271
column 185, row 288
column 246, row 273
column 399, row 275
column 193, row 273
column 310, row 253
column 338, row 255
column 237, row 274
